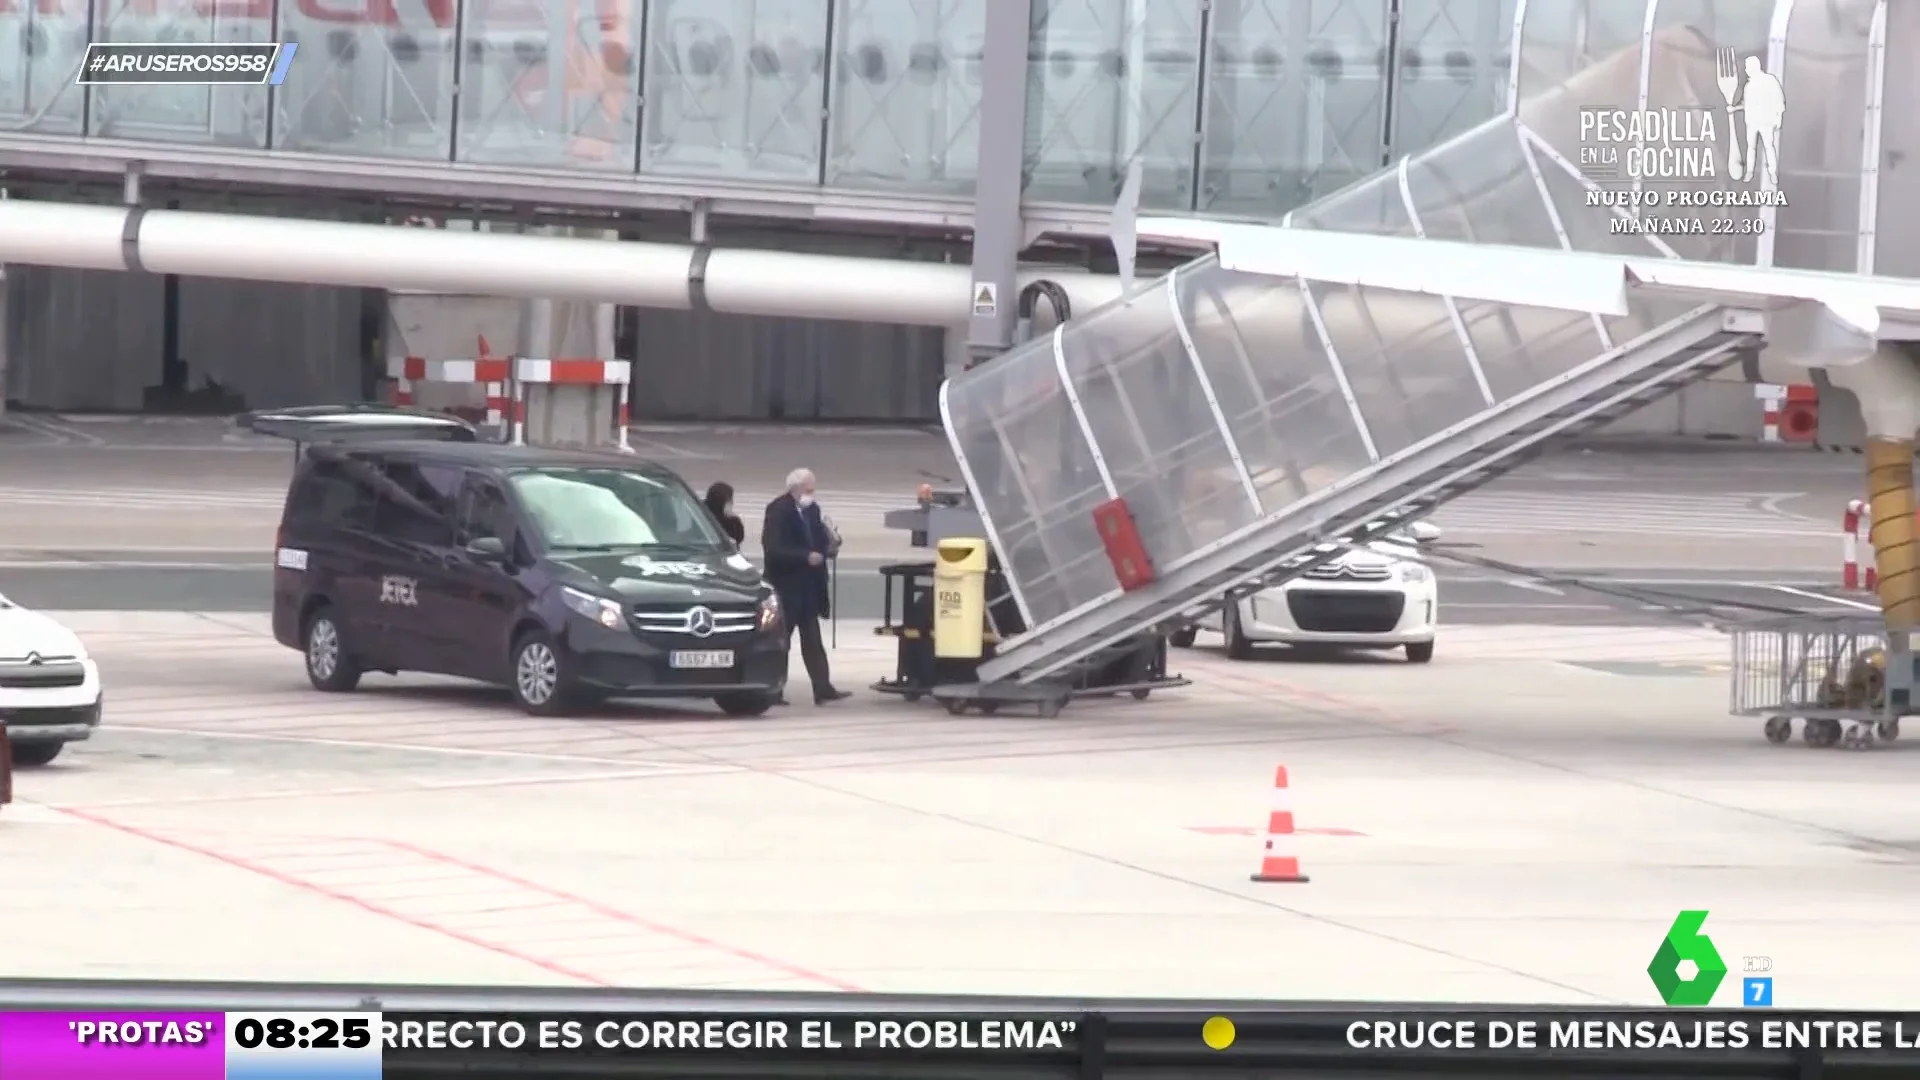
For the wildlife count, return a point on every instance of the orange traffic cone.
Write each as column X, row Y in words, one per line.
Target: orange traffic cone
column 1281, row 860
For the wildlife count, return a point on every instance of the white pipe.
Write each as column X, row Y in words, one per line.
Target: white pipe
column 738, row 282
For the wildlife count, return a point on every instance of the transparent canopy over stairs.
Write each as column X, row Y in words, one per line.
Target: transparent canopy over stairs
column 1256, row 423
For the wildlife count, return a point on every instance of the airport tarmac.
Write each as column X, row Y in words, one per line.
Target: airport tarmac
column 107, row 580
column 1518, row 821
column 191, row 485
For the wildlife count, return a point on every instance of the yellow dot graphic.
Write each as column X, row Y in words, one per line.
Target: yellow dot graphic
column 1217, row 1033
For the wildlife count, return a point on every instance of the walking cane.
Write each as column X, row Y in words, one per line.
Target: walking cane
column 833, row 581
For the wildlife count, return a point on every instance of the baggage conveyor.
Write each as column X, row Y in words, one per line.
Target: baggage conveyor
column 1136, row 669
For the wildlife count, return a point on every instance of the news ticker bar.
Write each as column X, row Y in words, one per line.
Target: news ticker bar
column 111, row 1045
column 124, row 63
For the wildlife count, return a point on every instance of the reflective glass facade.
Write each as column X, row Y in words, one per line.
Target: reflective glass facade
column 1234, row 107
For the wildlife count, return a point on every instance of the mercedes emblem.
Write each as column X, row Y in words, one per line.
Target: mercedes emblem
column 700, row 622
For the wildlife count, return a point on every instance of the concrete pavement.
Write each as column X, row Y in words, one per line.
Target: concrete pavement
column 1517, row 822
column 185, row 485
column 110, row 580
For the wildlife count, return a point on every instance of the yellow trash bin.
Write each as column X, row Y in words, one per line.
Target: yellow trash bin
column 959, row 599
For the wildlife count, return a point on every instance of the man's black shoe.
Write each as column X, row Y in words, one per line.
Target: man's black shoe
column 831, row 695
column 780, row 701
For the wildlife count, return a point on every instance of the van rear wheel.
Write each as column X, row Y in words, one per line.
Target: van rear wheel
column 330, row 668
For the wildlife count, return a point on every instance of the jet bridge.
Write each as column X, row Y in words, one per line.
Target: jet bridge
column 1309, row 387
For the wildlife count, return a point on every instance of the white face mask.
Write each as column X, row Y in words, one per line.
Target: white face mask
column 805, row 500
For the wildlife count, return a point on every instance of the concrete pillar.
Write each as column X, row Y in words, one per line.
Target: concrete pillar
column 6, row 335
column 571, row 390
column 432, row 327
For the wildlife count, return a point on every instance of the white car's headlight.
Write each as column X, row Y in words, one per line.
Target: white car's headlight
column 598, row 608
column 1414, row 572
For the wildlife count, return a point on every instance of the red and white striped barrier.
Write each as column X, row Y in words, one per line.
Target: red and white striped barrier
column 494, row 373
column 1855, row 525
column 573, row 373
column 1788, row 413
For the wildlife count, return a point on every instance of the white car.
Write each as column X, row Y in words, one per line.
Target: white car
column 1381, row 597
column 49, row 686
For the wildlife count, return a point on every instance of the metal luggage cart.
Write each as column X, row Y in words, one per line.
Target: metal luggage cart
column 1846, row 678
column 1137, row 669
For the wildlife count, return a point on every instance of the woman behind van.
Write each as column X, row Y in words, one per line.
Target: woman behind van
column 720, row 501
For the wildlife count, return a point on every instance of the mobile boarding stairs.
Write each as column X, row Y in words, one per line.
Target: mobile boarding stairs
column 1300, row 392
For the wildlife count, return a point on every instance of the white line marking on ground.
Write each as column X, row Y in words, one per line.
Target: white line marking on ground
column 1457, row 605
column 412, row 787
column 1835, row 600
column 457, row 751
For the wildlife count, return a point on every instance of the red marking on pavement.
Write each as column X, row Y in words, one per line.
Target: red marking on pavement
column 1248, row 830
column 334, row 894
column 1373, row 713
column 792, row 970
column 376, row 907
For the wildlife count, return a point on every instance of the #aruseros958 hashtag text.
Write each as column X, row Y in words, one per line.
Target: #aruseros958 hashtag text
column 184, row 64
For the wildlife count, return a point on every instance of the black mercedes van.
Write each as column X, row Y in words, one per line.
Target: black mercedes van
column 570, row 577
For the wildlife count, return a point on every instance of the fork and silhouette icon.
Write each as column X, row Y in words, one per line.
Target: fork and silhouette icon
column 1764, row 102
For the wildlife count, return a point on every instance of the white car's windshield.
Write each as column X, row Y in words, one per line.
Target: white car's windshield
column 595, row 508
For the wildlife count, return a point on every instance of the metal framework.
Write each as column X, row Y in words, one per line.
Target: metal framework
column 1871, row 141
column 1453, row 308
column 1205, row 383
column 1639, row 353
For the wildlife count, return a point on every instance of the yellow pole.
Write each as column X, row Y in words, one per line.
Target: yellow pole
column 1896, row 550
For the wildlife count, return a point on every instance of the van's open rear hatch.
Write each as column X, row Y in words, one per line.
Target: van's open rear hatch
column 309, row 424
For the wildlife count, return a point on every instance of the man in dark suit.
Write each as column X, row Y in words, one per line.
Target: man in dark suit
column 798, row 543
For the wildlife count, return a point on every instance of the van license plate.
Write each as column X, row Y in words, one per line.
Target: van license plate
column 703, row 660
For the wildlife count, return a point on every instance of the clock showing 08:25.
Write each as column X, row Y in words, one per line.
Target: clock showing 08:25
column 312, row 1046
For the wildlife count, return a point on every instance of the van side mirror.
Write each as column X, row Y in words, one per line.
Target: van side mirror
column 1423, row 532
column 487, row 549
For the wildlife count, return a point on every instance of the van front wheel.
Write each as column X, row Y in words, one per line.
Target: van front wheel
column 745, row 704
column 32, row 755
column 542, row 685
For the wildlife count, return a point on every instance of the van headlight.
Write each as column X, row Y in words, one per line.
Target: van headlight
column 598, row 608
column 769, row 611
column 1414, row 573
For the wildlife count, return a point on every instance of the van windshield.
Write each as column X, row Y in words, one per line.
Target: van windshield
column 594, row 508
